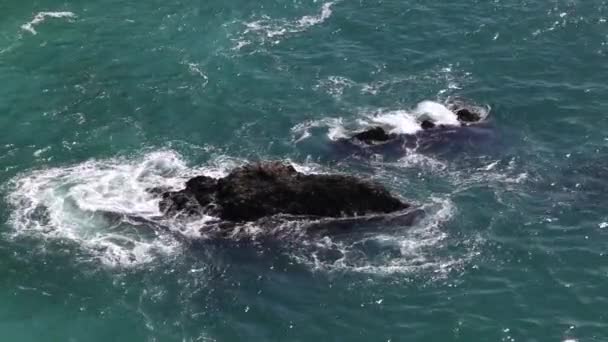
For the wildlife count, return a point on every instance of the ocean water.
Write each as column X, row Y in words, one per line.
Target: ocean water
column 101, row 100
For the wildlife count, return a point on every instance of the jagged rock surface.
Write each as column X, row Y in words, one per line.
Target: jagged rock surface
column 261, row 190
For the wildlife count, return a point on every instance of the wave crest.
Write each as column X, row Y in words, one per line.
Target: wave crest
column 41, row 17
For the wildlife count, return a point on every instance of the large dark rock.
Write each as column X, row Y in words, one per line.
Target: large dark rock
column 260, row 190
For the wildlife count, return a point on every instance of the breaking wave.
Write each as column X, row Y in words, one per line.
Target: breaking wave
column 393, row 121
column 105, row 208
column 94, row 205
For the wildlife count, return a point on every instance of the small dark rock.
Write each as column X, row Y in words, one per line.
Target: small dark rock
column 373, row 135
column 427, row 124
column 465, row 115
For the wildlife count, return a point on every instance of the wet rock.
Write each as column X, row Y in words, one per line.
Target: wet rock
column 159, row 190
column 373, row 136
column 203, row 189
column 180, row 202
column 467, row 116
column 427, row 124
column 262, row 190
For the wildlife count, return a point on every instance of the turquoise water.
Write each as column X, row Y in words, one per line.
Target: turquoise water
column 102, row 99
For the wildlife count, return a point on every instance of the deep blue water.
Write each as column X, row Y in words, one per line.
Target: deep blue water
column 103, row 99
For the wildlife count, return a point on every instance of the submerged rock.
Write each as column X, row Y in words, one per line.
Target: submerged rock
column 266, row 189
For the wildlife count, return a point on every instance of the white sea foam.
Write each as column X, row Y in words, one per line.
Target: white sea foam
column 394, row 121
column 311, row 20
column 335, row 129
column 195, row 69
column 405, row 250
column 429, row 164
column 99, row 204
column 398, row 121
column 436, row 112
column 41, row 151
column 503, row 176
column 42, row 16
column 335, row 85
column 269, row 29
